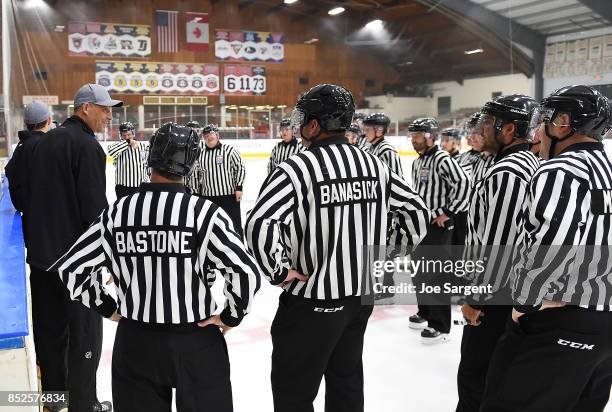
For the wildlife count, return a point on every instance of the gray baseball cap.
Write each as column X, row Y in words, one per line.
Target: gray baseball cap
column 94, row 93
column 36, row 112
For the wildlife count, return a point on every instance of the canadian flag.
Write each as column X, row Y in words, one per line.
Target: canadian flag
column 197, row 32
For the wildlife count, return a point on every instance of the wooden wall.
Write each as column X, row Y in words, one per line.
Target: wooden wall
column 329, row 60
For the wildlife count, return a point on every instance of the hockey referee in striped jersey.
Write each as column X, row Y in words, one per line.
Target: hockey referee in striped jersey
column 556, row 354
column 375, row 127
column 444, row 186
column 495, row 218
column 287, row 147
column 314, row 215
column 129, row 159
column 484, row 160
column 221, row 174
column 450, row 141
column 362, row 143
column 192, row 181
column 163, row 247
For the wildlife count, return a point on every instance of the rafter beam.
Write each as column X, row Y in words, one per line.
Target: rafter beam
column 603, row 8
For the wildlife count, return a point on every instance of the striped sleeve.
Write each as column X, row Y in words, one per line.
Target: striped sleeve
column 391, row 159
column 555, row 214
column 502, row 208
column 79, row 268
column 193, row 181
column 238, row 168
column 273, row 209
column 118, row 148
column 226, row 253
column 409, row 212
column 272, row 161
column 459, row 185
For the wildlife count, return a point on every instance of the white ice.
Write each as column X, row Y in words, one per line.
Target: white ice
column 400, row 373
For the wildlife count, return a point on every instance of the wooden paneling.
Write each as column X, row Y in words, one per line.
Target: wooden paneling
column 329, row 60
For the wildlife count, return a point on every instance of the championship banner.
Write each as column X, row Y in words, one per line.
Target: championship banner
column 108, row 39
column 197, row 31
column 244, row 80
column 249, row 46
column 151, row 77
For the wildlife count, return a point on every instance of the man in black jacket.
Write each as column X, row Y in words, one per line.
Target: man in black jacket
column 68, row 192
column 38, row 121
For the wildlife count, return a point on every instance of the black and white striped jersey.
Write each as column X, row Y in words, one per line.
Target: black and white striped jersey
column 130, row 163
column 319, row 210
column 388, row 154
column 569, row 203
column 282, row 151
column 468, row 160
column 441, row 182
column 483, row 163
column 163, row 248
column 363, row 143
column 495, row 215
column 220, row 171
column 192, row 181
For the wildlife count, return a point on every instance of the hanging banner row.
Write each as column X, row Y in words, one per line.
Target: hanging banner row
column 185, row 78
column 129, row 40
column 590, row 56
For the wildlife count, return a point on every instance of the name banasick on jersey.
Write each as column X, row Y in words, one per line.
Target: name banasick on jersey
column 348, row 191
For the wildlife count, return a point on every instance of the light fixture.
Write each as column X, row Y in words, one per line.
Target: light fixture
column 405, row 64
column 290, row 1
column 335, row 11
column 34, row 4
column 374, row 24
column 474, row 51
column 313, row 40
column 59, row 29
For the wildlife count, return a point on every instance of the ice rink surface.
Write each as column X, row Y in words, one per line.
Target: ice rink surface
column 401, row 374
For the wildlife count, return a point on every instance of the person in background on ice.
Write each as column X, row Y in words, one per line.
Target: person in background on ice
column 353, row 135
column 445, row 187
column 287, row 147
column 129, row 159
column 222, row 174
column 192, row 181
column 358, row 118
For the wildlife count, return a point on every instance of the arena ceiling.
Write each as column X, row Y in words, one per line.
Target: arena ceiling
column 436, row 40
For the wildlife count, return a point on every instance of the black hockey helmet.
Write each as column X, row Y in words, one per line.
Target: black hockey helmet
column 425, row 125
column 210, row 128
column 589, row 111
column 126, row 127
column 331, row 105
column 452, row 133
column 354, row 128
column 514, row 108
column 359, row 116
column 194, row 124
column 286, row 122
column 377, row 119
column 473, row 120
column 174, row 149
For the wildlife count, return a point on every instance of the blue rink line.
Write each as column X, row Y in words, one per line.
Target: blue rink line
column 13, row 287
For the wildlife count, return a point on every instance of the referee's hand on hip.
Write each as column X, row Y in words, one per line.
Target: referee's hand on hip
column 215, row 320
column 291, row 276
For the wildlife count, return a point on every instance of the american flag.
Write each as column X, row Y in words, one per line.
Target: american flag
column 167, row 31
